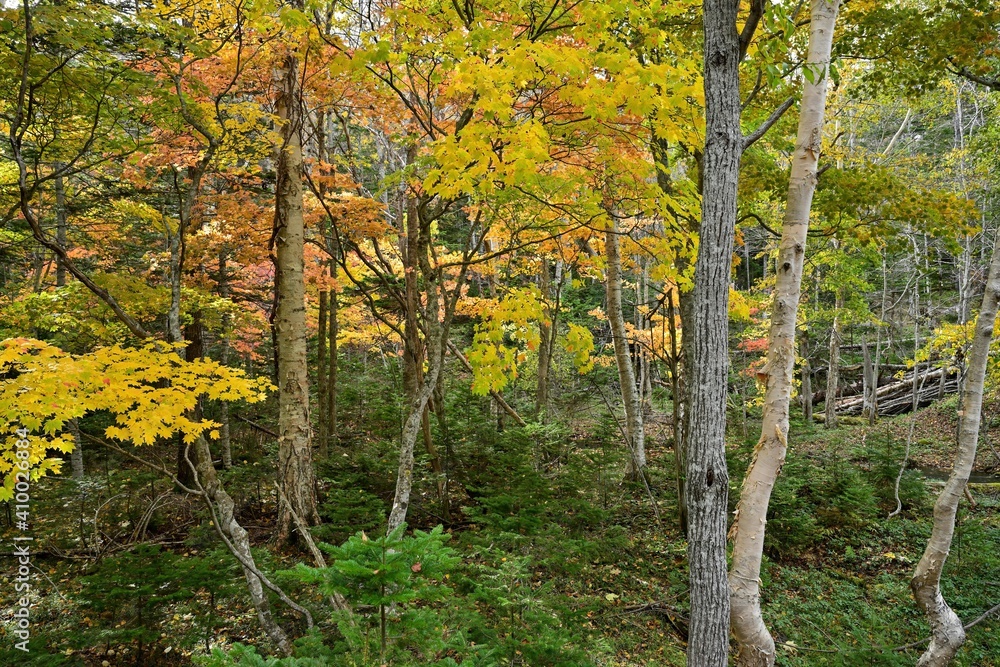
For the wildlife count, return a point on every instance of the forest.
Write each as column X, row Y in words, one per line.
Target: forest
column 499, row 333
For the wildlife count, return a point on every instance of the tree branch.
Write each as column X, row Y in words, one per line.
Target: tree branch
column 775, row 116
column 750, row 27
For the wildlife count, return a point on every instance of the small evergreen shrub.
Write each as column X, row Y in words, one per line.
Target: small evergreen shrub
column 131, row 595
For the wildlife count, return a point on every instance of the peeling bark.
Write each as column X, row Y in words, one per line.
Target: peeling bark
column 295, row 471
column 756, row 646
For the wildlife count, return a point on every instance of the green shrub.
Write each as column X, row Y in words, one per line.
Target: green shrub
column 397, row 586
column 132, row 593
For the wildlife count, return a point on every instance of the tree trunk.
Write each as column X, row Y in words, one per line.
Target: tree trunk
column 868, row 384
column 675, row 395
column 192, row 335
column 416, row 405
column 174, row 276
column 295, row 472
column 626, row 373
column 643, row 323
column 225, row 439
column 322, row 368
column 833, row 371
column 331, row 384
column 545, row 339
column 807, row 390
column 223, row 510
column 198, row 463
column 225, row 442
column 947, row 633
column 707, row 483
column 326, row 370
column 76, row 456
column 413, row 350
column 437, row 467
column 61, row 225
column 756, row 646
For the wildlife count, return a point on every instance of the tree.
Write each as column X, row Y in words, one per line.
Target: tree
column 152, row 393
column 623, row 358
column 295, row 470
column 947, row 633
column 756, row 644
column 707, row 477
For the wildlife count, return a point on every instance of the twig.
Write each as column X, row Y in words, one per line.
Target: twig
column 143, row 461
column 54, row 587
column 337, row 600
column 262, row 429
column 496, row 395
column 635, row 461
column 986, row 614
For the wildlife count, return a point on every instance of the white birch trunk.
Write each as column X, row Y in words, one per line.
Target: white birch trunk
column 947, row 633
column 755, row 642
column 237, row 540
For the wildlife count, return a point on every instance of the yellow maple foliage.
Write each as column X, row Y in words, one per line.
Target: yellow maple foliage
column 150, row 390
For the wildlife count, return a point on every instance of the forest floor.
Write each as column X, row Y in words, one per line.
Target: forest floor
column 582, row 555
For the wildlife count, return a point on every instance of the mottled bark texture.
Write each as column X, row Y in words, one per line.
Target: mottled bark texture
column 756, row 646
column 947, row 633
column 623, row 359
column 707, row 484
column 295, row 471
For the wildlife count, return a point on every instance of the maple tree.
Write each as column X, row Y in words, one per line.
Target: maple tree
column 533, row 271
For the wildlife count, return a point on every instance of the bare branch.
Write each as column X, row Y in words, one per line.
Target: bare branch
column 775, row 116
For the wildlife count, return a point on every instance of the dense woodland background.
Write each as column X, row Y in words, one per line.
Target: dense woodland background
column 380, row 333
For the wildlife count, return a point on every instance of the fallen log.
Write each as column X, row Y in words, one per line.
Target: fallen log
column 897, row 397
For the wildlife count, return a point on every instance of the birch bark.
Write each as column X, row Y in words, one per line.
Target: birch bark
column 295, row 471
column 756, row 646
column 947, row 633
